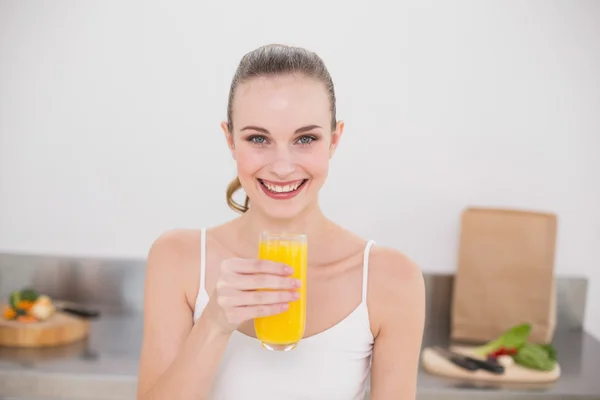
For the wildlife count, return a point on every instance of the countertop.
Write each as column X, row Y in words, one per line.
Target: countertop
column 105, row 366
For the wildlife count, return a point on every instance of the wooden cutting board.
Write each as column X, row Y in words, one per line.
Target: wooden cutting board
column 436, row 364
column 60, row 328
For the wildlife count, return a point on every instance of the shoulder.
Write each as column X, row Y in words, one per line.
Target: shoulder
column 174, row 259
column 390, row 268
column 175, row 241
column 396, row 287
column 174, row 245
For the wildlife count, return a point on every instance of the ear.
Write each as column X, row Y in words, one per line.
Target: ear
column 335, row 137
column 228, row 138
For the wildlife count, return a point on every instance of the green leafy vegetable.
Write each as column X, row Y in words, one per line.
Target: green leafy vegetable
column 516, row 337
column 535, row 356
column 550, row 350
column 540, row 357
column 29, row 294
column 15, row 298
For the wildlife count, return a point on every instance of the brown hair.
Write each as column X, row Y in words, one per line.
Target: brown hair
column 274, row 60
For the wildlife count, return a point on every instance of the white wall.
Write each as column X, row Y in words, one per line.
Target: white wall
column 110, row 111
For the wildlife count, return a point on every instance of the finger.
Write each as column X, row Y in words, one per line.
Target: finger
column 251, row 298
column 264, row 310
column 263, row 281
column 245, row 266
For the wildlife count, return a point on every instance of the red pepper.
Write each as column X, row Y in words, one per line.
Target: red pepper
column 503, row 351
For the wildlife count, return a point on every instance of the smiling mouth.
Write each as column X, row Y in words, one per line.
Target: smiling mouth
column 288, row 187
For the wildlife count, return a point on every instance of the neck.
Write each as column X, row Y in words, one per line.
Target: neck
column 311, row 222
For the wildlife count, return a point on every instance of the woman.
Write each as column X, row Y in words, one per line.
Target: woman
column 366, row 304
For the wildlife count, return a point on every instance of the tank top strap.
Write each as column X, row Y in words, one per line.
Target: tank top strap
column 202, row 260
column 370, row 243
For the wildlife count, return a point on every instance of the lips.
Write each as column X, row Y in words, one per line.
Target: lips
column 284, row 187
column 282, row 190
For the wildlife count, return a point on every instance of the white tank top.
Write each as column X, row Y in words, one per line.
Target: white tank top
column 331, row 365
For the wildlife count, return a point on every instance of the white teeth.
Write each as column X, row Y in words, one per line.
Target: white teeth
column 282, row 189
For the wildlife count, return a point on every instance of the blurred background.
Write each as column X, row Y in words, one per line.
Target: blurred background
column 110, row 112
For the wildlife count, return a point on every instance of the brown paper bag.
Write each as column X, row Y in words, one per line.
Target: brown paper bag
column 505, row 275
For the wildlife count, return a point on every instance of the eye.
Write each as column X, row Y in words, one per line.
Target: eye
column 306, row 140
column 260, row 140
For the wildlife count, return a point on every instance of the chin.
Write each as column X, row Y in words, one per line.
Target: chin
column 282, row 212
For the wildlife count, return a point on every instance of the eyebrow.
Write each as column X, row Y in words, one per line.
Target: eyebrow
column 306, row 128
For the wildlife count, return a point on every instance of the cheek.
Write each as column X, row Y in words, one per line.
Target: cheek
column 317, row 163
column 248, row 160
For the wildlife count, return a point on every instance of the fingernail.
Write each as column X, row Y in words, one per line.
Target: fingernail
column 295, row 296
column 289, row 270
column 297, row 282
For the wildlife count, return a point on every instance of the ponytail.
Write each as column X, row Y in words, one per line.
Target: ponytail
column 233, row 187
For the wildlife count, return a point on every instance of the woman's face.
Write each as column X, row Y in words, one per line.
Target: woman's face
column 282, row 142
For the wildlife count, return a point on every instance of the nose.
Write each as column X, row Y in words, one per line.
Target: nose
column 283, row 164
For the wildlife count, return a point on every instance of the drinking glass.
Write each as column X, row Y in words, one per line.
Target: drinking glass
column 282, row 332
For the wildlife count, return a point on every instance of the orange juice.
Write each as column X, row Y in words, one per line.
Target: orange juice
column 283, row 331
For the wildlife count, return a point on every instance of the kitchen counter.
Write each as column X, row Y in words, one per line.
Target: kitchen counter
column 105, row 367
column 579, row 357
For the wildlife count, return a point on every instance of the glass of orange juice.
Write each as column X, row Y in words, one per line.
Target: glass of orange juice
column 282, row 332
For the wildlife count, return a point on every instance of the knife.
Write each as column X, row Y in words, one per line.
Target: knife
column 75, row 309
column 470, row 363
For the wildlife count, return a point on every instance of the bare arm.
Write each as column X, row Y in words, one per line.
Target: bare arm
column 398, row 304
column 179, row 359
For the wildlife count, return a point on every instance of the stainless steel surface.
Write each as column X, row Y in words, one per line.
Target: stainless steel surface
column 579, row 358
column 571, row 295
column 105, row 365
column 118, row 284
column 439, row 297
